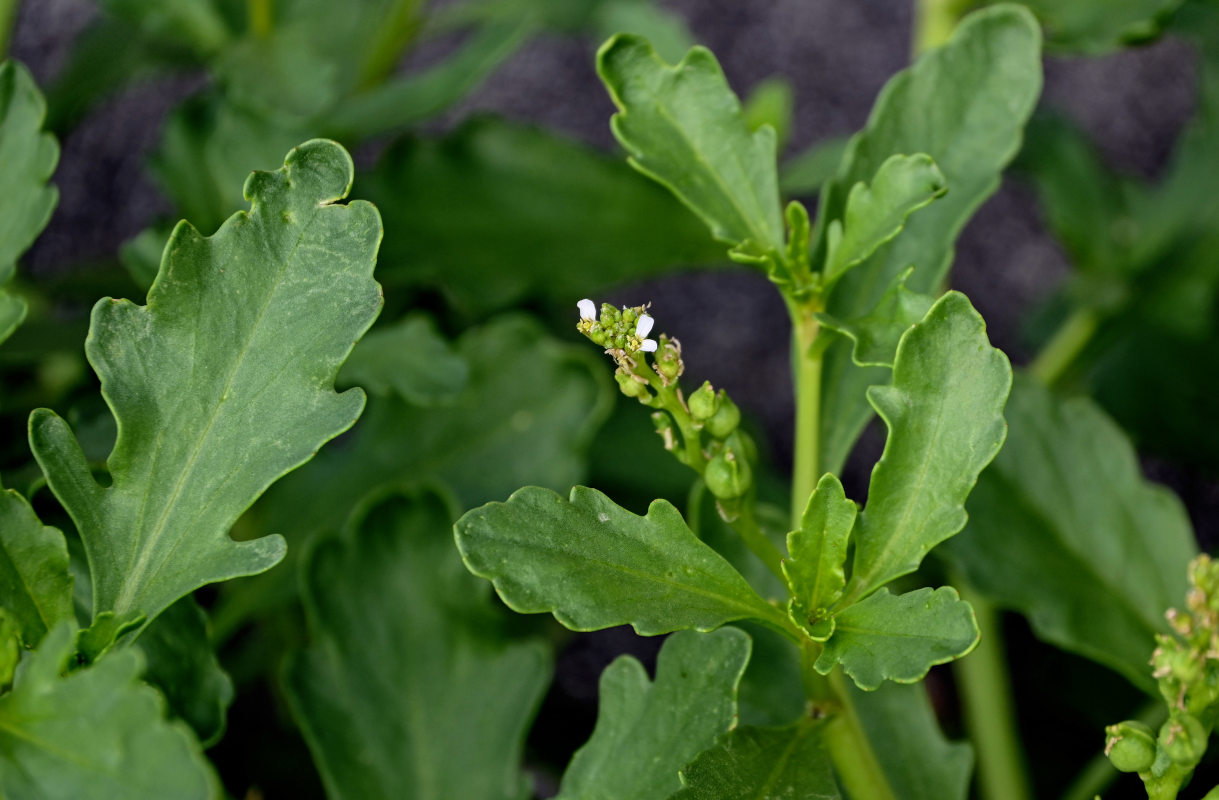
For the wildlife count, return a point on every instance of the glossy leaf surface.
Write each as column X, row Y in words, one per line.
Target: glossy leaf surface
column 1065, row 529
column 899, row 637
column 682, row 126
column 815, row 571
column 647, row 731
column 220, row 385
column 97, row 732
column 429, row 701
column 944, row 412
column 750, row 763
column 35, row 585
column 596, row 565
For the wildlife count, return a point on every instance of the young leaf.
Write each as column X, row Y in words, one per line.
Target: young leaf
column 965, row 105
column 596, row 565
column 220, row 385
column 430, row 701
column 944, row 411
column 1064, row 528
column 877, row 333
column 98, row 732
column 410, row 358
column 647, row 731
column 683, row 127
column 180, row 662
column 35, row 585
column 818, row 552
column 901, row 724
column 27, row 158
column 875, row 213
column 1099, row 26
column 899, row 637
column 750, row 763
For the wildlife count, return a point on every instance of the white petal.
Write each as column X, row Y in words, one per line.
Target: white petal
column 644, row 326
column 648, row 345
column 587, row 309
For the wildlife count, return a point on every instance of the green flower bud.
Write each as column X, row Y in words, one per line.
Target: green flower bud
column 630, row 386
column 742, row 443
column 703, row 403
column 1184, row 739
column 725, row 419
column 728, row 476
column 1131, row 746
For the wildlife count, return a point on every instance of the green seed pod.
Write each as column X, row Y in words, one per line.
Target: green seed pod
column 1131, row 746
column 742, row 443
column 728, row 476
column 1184, row 739
column 703, row 403
column 725, row 419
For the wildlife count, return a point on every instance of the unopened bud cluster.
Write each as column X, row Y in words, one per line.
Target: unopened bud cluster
column 621, row 332
column 1186, row 667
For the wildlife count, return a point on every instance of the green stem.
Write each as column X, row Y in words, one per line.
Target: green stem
column 746, row 526
column 261, row 16
column 808, row 410
column 935, row 21
column 855, row 761
column 8, row 16
column 986, row 695
column 1065, row 346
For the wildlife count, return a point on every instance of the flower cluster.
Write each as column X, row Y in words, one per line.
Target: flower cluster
column 624, row 330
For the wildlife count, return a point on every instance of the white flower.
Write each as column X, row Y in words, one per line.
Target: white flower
column 648, row 345
column 587, row 310
column 644, row 326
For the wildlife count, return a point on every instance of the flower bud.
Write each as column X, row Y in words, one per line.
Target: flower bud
column 703, row 403
column 632, row 387
column 725, row 419
column 728, row 476
column 1131, row 746
column 1184, row 739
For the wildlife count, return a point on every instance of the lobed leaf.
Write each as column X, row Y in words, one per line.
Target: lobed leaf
column 876, row 334
column 431, row 701
column 944, row 412
column 35, row 584
column 683, row 127
column 814, row 572
column 220, row 385
column 647, row 731
column 899, row 637
column 97, row 732
column 1065, row 529
column 751, row 763
column 595, row 565
column 965, row 105
column 411, row 359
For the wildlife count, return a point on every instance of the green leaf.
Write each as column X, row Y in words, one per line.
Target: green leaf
column 771, row 102
column 410, row 358
column 684, row 128
column 10, row 648
column 664, row 29
column 647, row 731
column 876, row 213
column 97, row 732
column 944, row 412
column 27, row 158
column 197, row 25
column 1099, row 26
column 900, row 723
column 899, row 637
column 431, row 701
column 35, row 585
column 818, row 553
column 180, row 662
column 751, row 763
column 1064, row 528
column 877, row 333
column 965, row 105
column 595, row 565
column 496, row 212
column 805, row 173
column 220, row 385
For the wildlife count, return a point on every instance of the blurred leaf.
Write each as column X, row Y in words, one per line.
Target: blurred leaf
column 10, row 648
column 876, row 213
column 665, row 29
column 595, row 565
column 179, row 660
column 818, row 551
column 965, row 105
column 684, row 128
column 899, row 637
column 496, row 211
column 1099, row 26
column 770, row 102
column 876, row 334
column 410, row 358
column 647, row 731
column 944, row 412
column 751, row 763
column 98, row 732
column 1064, row 529
column 27, row 158
column 804, row 173
column 141, row 255
column 430, row 701
column 900, row 723
column 196, row 25
column 35, row 585
column 220, row 385
column 278, row 75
